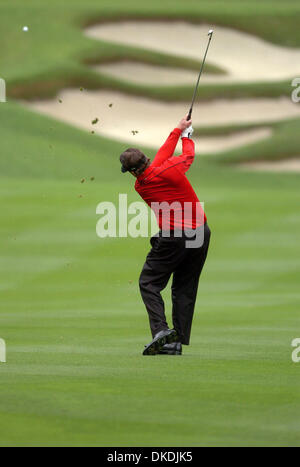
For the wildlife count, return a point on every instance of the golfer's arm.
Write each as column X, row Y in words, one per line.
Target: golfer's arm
column 168, row 148
column 188, row 153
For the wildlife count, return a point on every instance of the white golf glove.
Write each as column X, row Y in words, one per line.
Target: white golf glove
column 187, row 133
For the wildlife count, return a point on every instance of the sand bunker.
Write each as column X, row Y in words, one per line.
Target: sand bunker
column 154, row 119
column 141, row 73
column 286, row 165
column 244, row 57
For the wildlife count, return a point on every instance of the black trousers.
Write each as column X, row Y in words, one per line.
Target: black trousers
column 171, row 255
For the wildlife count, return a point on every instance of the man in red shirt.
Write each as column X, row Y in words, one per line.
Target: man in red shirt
column 181, row 245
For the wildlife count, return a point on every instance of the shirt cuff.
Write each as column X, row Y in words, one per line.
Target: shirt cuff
column 177, row 131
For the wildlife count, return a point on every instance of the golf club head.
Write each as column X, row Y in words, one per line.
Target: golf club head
column 210, row 32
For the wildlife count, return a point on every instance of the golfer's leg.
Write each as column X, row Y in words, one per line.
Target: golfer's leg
column 185, row 287
column 160, row 263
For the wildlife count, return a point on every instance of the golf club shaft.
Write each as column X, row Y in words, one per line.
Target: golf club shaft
column 199, row 76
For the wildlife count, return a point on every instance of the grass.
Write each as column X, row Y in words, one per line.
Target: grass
column 284, row 143
column 70, row 312
column 75, row 325
column 47, row 85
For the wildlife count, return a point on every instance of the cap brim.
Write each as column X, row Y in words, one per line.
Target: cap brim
column 123, row 169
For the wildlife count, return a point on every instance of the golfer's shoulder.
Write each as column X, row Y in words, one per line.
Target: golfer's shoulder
column 171, row 164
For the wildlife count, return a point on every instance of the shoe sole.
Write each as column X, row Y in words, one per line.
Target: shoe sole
column 155, row 346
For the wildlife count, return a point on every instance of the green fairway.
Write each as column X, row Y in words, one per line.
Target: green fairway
column 71, row 314
column 75, row 325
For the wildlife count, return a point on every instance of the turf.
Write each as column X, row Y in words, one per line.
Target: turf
column 70, row 312
column 75, row 325
column 283, row 143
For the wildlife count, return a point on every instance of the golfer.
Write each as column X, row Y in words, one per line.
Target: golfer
column 176, row 248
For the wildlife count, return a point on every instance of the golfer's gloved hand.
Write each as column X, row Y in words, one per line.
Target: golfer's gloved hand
column 188, row 132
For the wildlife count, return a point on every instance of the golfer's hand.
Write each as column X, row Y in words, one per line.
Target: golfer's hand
column 188, row 132
column 184, row 123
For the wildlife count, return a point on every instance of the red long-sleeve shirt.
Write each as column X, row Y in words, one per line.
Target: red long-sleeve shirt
column 165, row 188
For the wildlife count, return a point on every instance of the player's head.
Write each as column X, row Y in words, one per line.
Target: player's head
column 134, row 161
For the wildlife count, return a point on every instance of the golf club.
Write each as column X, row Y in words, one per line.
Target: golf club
column 210, row 33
